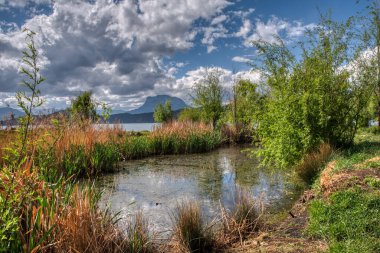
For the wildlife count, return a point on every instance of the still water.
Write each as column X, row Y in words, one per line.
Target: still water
column 156, row 185
column 133, row 126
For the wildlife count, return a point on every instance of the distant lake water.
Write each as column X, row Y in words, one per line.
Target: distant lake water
column 135, row 126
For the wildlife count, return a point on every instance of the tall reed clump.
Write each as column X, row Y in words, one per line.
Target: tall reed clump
column 73, row 149
column 183, row 138
column 190, row 232
column 312, row 162
column 37, row 216
column 172, row 138
column 138, row 238
column 240, row 222
column 27, row 209
column 82, row 227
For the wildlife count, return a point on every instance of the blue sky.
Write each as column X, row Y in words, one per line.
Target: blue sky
column 126, row 50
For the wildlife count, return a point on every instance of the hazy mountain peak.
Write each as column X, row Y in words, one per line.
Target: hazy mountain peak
column 152, row 101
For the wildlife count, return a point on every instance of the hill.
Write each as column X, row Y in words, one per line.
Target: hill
column 6, row 112
column 152, row 102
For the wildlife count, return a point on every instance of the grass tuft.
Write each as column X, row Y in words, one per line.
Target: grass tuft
column 240, row 222
column 190, row 232
column 311, row 164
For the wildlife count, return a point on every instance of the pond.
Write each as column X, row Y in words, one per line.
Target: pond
column 156, row 185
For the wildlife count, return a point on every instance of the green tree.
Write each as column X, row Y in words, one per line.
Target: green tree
column 84, row 107
column 29, row 101
column 163, row 113
column 371, row 57
column 311, row 100
column 208, row 97
column 246, row 103
column 190, row 114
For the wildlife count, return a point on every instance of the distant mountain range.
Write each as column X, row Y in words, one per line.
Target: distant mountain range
column 5, row 112
column 143, row 114
column 152, row 102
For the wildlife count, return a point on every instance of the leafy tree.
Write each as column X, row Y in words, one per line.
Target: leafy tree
column 29, row 101
column 163, row 113
column 246, row 104
column 84, row 107
column 371, row 56
column 208, row 96
column 311, row 100
column 190, row 114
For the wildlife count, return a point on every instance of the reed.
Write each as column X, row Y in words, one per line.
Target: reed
column 82, row 227
column 190, row 233
column 312, row 162
column 138, row 238
column 240, row 222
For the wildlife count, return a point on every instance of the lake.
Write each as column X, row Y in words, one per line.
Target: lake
column 156, row 185
column 134, row 126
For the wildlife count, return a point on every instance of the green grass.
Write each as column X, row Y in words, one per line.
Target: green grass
column 366, row 146
column 349, row 221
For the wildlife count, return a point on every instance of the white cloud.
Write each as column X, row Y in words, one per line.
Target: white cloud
column 219, row 19
column 244, row 29
column 241, row 59
column 115, row 50
column 270, row 30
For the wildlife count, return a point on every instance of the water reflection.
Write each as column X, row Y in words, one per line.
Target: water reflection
column 156, row 185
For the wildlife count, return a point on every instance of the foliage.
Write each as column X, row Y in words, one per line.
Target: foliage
column 29, row 102
column 163, row 113
column 247, row 103
column 312, row 100
column 84, row 107
column 371, row 56
column 190, row 114
column 208, row 97
column 349, row 221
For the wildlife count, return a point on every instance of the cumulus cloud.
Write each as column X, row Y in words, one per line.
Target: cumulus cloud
column 113, row 49
column 240, row 59
column 227, row 79
column 270, row 30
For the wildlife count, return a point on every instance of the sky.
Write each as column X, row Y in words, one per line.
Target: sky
column 126, row 50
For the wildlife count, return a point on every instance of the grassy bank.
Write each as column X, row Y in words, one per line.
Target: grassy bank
column 346, row 212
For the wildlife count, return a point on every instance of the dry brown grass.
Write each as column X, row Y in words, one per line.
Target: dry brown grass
column 240, row 222
column 83, row 228
column 181, row 129
column 66, row 134
column 313, row 162
column 331, row 181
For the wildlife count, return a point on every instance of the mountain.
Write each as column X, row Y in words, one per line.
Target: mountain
column 136, row 118
column 6, row 111
column 152, row 102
